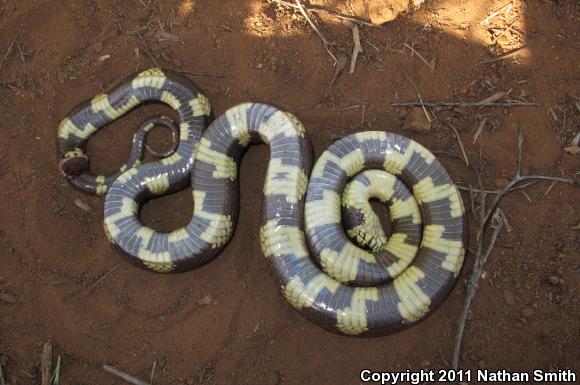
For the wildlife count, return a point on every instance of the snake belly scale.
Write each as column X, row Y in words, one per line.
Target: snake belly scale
column 365, row 288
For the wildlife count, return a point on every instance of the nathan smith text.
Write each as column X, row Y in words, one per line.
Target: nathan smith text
column 535, row 376
column 466, row 375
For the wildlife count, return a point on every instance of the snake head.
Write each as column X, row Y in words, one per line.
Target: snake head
column 364, row 227
column 73, row 163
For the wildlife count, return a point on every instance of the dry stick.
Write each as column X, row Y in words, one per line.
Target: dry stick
column 198, row 73
column 430, row 65
column 408, row 77
column 46, row 363
column 495, row 13
column 102, row 278
column 147, row 49
column 152, row 371
column 495, row 191
column 496, row 226
column 8, row 52
column 22, row 54
column 463, row 153
column 513, row 103
column 356, row 49
column 479, row 130
column 330, row 13
column 484, row 217
column 315, row 28
column 508, row 28
column 505, row 221
column 507, row 55
column 2, row 381
column 518, row 178
column 124, row 376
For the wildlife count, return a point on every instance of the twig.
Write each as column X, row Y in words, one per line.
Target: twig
column 463, row 153
column 496, row 226
column 2, row 381
column 338, row 68
column 46, row 363
column 124, row 376
column 496, row 191
column 315, row 28
column 22, row 53
column 506, row 223
column 102, row 278
column 430, row 65
column 8, row 52
column 495, row 13
column 408, row 77
column 484, row 215
column 506, row 55
column 512, row 103
column 330, row 13
column 198, row 73
column 56, row 374
column 549, row 188
column 147, row 49
column 356, row 49
column 479, row 130
column 152, row 372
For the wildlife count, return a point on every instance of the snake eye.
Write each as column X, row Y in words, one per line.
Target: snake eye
column 74, row 165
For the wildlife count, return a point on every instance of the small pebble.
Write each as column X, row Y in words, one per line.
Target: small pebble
column 528, row 312
column 508, row 297
column 501, row 182
column 260, row 66
column 82, row 205
column 554, row 280
column 8, row 298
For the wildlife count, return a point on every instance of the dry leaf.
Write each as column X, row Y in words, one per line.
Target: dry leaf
column 168, row 36
column 82, row 205
column 574, row 150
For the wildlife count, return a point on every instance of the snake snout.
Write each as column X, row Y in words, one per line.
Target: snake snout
column 74, row 166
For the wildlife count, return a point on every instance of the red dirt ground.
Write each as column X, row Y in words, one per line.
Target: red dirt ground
column 53, row 253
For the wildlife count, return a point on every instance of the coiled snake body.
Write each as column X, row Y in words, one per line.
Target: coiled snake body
column 322, row 273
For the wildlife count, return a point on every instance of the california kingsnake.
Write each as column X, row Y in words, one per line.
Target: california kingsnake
column 358, row 291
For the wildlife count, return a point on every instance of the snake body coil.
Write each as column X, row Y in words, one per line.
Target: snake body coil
column 322, row 273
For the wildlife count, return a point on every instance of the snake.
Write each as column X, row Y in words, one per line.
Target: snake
column 347, row 275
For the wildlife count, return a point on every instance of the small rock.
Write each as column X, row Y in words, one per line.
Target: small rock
column 528, row 312
column 425, row 364
column 554, row 280
column 508, row 297
column 260, row 66
column 381, row 12
column 8, row 298
column 82, row 205
column 98, row 47
column 501, row 182
column 417, row 121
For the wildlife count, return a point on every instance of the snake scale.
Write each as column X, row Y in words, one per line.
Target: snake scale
column 375, row 286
